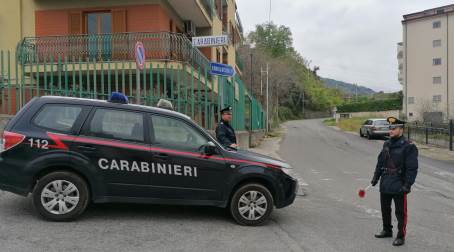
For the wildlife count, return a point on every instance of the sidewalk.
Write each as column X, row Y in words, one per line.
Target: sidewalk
column 442, row 154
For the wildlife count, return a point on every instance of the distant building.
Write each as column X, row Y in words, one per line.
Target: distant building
column 424, row 59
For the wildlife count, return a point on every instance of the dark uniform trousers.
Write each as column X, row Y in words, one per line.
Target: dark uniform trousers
column 396, row 168
column 400, row 205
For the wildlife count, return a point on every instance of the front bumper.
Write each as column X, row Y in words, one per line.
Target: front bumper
column 289, row 190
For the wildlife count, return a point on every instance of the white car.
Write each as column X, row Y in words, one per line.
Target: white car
column 372, row 128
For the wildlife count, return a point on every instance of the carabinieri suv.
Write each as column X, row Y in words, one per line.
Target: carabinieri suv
column 69, row 152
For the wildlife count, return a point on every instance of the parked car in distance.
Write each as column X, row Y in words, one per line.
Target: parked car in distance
column 373, row 128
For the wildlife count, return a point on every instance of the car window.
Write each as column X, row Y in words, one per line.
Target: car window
column 57, row 117
column 381, row 122
column 117, row 124
column 366, row 122
column 176, row 134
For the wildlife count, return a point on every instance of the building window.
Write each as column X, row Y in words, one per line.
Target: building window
column 436, row 99
column 437, row 61
column 411, row 100
column 436, row 24
column 436, row 43
column 410, row 114
column 99, row 23
column 436, row 80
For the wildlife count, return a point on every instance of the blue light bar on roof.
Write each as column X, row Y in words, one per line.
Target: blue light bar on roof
column 118, row 97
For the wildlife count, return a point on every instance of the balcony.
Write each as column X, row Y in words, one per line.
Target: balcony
column 162, row 46
column 198, row 11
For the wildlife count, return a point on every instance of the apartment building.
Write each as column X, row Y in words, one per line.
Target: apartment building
column 85, row 48
column 426, row 58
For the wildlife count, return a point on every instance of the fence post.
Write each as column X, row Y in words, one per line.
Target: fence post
column 451, row 132
column 408, row 133
column 427, row 134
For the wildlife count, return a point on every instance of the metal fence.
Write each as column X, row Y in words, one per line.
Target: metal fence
column 440, row 135
column 42, row 67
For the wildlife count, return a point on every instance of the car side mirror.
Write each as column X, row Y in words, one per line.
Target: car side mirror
column 209, row 148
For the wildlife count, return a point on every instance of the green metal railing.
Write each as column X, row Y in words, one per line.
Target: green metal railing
column 239, row 61
column 40, row 70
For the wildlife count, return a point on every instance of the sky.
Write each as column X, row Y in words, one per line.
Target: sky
column 350, row 40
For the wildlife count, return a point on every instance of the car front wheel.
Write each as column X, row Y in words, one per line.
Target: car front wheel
column 60, row 196
column 251, row 205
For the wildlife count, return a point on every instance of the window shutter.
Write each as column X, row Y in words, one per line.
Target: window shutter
column 118, row 20
column 75, row 23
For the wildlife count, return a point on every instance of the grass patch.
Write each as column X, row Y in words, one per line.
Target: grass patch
column 352, row 124
column 330, row 122
column 274, row 134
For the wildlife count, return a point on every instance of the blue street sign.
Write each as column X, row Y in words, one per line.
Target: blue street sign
column 221, row 69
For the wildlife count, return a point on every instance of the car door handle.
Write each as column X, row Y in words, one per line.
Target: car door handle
column 161, row 156
column 87, row 148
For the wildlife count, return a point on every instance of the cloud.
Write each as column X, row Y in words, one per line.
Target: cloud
column 351, row 40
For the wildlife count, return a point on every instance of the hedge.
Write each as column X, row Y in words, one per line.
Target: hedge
column 371, row 106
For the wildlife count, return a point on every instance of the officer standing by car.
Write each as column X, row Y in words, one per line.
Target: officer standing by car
column 224, row 131
column 396, row 169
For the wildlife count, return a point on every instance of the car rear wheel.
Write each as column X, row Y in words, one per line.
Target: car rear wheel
column 251, row 205
column 60, row 196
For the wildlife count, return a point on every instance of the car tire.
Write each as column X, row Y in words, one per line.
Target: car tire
column 360, row 133
column 60, row 196
column 369, row 136
column 251, row 205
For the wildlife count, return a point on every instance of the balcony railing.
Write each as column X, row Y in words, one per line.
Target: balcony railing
column 163, row 46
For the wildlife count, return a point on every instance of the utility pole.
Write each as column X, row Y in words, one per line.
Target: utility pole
column 356, row 92
column 250, row 113
column 267, row 93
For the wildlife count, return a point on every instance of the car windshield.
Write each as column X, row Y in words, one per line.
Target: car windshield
column 381, row 122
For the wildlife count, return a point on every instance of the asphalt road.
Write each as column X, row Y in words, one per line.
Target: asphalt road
column 329, row 217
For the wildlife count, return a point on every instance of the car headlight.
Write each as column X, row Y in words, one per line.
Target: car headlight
column 288, row 171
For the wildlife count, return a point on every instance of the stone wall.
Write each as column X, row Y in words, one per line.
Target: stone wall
column 379, row 114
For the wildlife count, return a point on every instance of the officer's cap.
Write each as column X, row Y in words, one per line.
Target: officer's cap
column 394, row 122
column 226, row 110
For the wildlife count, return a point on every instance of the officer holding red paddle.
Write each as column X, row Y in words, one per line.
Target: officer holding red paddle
column 396, row 169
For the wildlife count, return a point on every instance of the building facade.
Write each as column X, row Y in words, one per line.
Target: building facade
column 85, row 48
column 426, row 58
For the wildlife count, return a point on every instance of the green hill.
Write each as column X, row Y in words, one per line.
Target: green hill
column 347, row 88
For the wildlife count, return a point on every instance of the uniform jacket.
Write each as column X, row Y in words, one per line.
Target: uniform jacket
column 397, row 165
column 225, row 134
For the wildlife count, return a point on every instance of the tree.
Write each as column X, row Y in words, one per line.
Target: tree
column 293, row 85
column 275, row 39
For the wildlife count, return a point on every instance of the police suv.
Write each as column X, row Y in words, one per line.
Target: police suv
column 68, row 152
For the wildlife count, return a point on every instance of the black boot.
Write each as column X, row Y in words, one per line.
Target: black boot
column 384, row 234
column 399, row 241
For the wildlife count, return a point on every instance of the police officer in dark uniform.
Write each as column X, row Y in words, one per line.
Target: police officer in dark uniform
column 396, row 169
column 224, row 131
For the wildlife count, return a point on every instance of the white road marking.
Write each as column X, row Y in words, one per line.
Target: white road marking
column 326, row 179
column 370, row 211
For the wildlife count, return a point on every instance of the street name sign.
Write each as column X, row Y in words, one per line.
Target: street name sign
column 221, row 69
column 209, row 41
